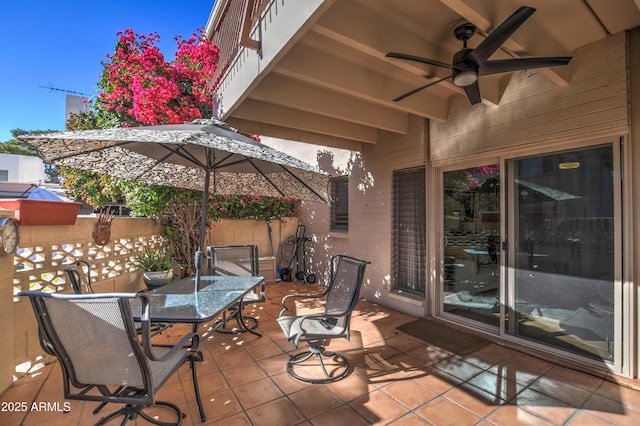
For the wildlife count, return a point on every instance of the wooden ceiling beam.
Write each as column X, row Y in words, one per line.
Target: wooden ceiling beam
column 375, row 35
column 254, row 110
column 287, row 133
column 284, row 91
column 317, row 66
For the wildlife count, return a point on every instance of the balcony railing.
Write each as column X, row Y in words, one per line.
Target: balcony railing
column 231, row 28
column 251, row 35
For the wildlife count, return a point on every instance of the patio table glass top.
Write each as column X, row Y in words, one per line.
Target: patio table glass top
column 180, row 302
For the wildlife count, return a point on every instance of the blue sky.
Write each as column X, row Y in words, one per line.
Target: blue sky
column 61, row 44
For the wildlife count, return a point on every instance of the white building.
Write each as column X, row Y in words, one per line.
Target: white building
column 21, row 169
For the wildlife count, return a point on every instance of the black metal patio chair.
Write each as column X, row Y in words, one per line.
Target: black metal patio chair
column 79, row 273
column 102, row 359
column 317, row 329
column 237, row 260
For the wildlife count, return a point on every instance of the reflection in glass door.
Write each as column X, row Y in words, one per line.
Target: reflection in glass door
column 562, row 292
column 471, row 261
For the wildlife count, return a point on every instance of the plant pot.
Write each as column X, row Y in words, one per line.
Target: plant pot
column 42, row 212
column 155, row 279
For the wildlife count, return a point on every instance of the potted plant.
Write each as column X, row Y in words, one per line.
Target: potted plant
column 156, row 267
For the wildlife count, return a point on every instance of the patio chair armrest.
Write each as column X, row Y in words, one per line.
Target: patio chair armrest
column 303, row 318
column 152, row 355
column 319, row 316
column 300, row 296
column 147, row 346
column 296, row 338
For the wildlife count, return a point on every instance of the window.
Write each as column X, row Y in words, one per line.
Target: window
column 409, row 234
column 340, row 203
column 4, row 175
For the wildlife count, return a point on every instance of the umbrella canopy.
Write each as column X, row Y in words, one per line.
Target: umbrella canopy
column 205, row 154
column 179, row 155
column 37, row 193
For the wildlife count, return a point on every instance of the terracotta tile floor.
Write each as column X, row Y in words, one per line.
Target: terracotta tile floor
column 396, row 379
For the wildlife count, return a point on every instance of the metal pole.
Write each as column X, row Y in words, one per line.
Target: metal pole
column 203, row 224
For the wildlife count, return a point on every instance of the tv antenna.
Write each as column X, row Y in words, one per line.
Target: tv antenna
column 72, row 92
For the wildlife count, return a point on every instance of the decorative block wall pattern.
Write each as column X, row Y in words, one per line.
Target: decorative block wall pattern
column 40, row 266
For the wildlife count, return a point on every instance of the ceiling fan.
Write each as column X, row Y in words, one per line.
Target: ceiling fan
column 468, row 64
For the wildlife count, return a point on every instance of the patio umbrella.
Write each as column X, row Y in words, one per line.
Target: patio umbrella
column 205, row 154
column 37, row 193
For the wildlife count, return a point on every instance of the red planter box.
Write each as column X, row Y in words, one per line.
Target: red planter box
column 42, row 212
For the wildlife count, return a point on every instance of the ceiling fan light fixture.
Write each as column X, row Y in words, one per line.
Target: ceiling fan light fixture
column 465, row 78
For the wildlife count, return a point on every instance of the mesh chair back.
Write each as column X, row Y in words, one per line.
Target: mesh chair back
column 94, row 338
column 241, row 260
column 347, row 274
column 79, row 273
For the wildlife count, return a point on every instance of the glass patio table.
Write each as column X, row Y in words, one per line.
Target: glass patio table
column 180, row 302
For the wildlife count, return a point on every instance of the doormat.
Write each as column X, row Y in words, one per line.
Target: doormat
column 443, row 336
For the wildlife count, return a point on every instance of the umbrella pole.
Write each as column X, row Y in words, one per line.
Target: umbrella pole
column 203, row 223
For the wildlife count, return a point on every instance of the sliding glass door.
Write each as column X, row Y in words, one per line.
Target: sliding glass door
column 532, row 249
column 563, row 250
column 471, row 261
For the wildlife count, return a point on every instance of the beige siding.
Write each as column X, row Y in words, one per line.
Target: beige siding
column 533, row 109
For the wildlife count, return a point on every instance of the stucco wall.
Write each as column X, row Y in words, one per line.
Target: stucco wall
column 241, row 231
column 48, row 249
column 370, row 213
column 6, row 317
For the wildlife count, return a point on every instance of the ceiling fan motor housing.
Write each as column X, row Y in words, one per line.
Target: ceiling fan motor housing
column 464, row 71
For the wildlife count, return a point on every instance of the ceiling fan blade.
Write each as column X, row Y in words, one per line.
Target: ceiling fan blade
column 417, row 59
column 498, row 36
column 473, row 93
column 508, row 65
column 401, row 97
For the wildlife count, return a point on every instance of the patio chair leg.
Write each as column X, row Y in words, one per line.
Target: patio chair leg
column 318, row 351
column 101, row 406
column 197, row 357
column 174, row 407
column 131, row 412
column 111, row 416
column 221, row 325
column 241, row 321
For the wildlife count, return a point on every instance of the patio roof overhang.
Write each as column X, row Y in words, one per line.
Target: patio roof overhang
column 319, row 72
